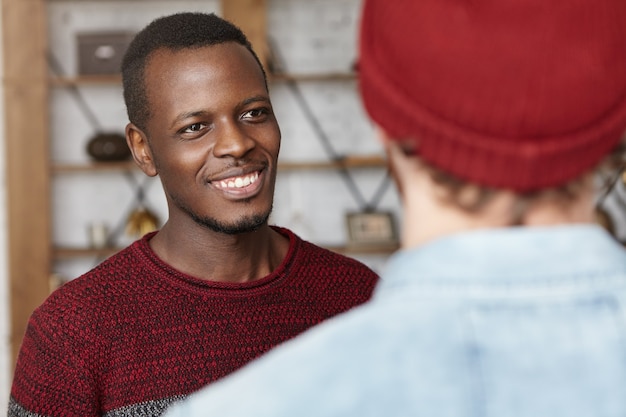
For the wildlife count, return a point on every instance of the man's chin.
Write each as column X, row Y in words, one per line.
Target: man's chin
column 246, row 225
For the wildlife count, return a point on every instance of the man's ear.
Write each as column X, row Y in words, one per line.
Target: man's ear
column 140, row 148
column 407, row 145
column 401, row 159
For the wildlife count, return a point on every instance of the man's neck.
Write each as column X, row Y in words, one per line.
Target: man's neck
column 214, row 256
column 427, row 217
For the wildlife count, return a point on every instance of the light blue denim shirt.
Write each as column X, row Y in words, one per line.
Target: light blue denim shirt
column 503, row 322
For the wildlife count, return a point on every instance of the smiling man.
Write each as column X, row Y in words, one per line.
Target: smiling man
column 214, row 288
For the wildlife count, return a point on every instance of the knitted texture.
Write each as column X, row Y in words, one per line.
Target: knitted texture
column 133, row 335
column 518, row 94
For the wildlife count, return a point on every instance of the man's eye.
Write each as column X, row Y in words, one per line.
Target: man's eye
column 254, row 113
column 196, row 127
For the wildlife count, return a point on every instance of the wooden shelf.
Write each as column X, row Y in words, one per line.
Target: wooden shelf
column 331, row 76
column 60, row 253
column 364, row 249
column 116, row 79
column 350, row 162
column 94, row 167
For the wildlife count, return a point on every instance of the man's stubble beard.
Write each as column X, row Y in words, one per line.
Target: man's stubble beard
column 243, row 225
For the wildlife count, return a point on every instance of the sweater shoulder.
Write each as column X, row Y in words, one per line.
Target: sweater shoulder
column 90, row 290
column 320, row 253
column 323, row 262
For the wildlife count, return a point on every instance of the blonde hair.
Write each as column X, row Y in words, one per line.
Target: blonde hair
column 472, row 197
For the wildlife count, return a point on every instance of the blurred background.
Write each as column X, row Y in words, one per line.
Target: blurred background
column 69, row 194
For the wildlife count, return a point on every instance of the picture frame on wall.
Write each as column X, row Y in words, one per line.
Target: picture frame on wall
column 371, row 229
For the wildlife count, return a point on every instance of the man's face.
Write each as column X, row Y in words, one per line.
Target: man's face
column 213, row 136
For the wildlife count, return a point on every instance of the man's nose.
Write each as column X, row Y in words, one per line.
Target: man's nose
column 232, row 140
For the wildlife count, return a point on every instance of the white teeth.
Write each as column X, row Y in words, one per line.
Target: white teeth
column 238, row 182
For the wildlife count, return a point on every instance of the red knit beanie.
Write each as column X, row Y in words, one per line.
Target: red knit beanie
column 518, row 94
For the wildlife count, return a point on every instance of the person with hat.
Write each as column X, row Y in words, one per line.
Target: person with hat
column 506, row 298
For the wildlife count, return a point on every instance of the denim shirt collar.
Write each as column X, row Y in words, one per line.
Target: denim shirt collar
column 507, row 256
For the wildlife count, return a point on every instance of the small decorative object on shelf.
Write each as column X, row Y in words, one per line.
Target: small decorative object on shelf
column 141, row 221
column 98, row 235
column 102, row 52
column 108, row 147
column 371, row 229
column 55, row 281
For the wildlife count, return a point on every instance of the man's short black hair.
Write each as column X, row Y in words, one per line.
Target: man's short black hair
column 174, row 32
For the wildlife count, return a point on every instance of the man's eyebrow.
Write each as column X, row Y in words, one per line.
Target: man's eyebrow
column 186, row 115
column 254, row 99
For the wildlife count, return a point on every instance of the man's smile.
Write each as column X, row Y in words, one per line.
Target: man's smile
column 242, row 186
column 237, row 182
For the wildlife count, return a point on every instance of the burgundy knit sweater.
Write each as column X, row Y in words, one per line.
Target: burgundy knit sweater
column 134, row 335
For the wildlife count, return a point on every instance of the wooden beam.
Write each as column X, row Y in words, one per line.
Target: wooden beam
column 251, row 17
column 27, row 166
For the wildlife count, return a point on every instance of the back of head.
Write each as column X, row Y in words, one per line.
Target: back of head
column 516, row 94
column 174, row 32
